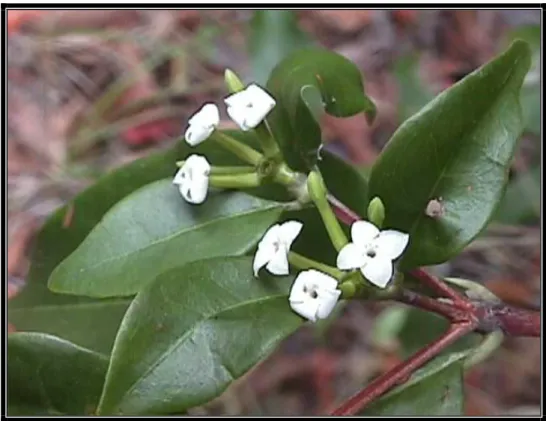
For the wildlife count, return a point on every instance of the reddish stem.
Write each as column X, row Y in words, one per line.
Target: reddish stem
column 441, row 288
column 402, row 371
column 511, row 320
column 465, row 316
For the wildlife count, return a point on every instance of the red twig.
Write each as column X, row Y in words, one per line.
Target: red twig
column 441, row 288
column 465, row 316
column 402, row 371
column 511, row 320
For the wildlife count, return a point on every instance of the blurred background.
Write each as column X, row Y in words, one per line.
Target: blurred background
column 91, row 90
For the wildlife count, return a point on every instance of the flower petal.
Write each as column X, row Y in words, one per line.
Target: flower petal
column 197, row 134
column 180, row 176
column 378, row 271
column 195, row 191
column 327, row 302
column 320, row 281
column 239, row 115
column 363, row 232
column 391, row 244
column 307, row 309
column 261, row 258
column 198, row 165
column 238, row 99
column 210, row 115
column 289, row 231
column 260, row 98
column 350, row 257
column 278, row 265
column 270, row 237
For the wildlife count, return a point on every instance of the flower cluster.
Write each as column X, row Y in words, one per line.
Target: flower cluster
column 247, row 108
column 314, row 294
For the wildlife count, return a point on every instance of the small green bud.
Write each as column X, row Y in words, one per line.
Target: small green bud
column 348, row 290
column 376, row 212
column 233, row 82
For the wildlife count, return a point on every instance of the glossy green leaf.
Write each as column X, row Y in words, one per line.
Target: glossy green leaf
column 521, row 202
column 65, row 230
column 192, row 332
column 50, row 376
column 88, row 323
column 154, row 230
column 456, row 150
column 434, row 390
column 297, row 83
column 273, row 35
column 530, row 92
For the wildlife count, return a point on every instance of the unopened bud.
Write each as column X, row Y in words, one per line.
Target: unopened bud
column 376, row 212
column 233, row 82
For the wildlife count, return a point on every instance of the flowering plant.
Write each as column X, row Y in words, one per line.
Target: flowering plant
column 190, row 276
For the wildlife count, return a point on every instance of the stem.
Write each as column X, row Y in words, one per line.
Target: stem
column 318, row 193
column 235, row 181
column 512, row 321
column 216, row 170
column 246, row 153
column 402, row 371
column 284, row 175
column 441, row 288
column 345, row 215
column 269, row 146
column 302, row 262
column 446, row 310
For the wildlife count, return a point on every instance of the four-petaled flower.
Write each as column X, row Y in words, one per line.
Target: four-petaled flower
column 249, row 107
column 274, row 247
column 202, row 124
column 314, row 295
column 193, row 179
column 372, row 251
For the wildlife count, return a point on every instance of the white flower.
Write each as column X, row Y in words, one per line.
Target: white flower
column 248, row 108
column 314, row 295
column 274, row 247
column 372, row 251
column 193, row 179
column 202, row 124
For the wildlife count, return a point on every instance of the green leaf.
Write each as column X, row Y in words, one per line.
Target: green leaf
column 521, row 202
column 65, row 230
column 303, row 82
column 154, row 230
column 192, row 332
column 88, row 323
column 434, row 390
column 50, row 376
column 273, row 35
column 530, row 92
column 457, row 150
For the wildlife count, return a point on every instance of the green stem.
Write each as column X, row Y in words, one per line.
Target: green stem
column 215, row 170
column 246, row 153
column 284, row 175
column 269, row 146
column 302, row 262
column 318, row 192
column 235, row 181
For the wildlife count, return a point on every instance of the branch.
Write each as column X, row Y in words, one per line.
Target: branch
column 465, row 315
column 511, row 320
column 402, row 371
